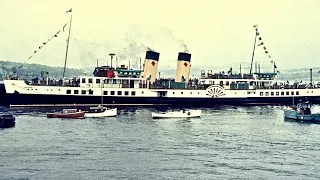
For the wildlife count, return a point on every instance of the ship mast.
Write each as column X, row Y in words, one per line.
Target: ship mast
column 254, row 47
column 65, row 61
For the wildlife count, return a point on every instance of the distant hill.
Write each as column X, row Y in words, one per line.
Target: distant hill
column 29, row 71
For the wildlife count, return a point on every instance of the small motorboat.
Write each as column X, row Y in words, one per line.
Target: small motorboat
column 302, row 111
column 100, row 111
column 178, row 114
column 7, row 120
column 67, row 113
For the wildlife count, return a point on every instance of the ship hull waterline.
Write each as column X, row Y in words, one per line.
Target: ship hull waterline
column 21, row 100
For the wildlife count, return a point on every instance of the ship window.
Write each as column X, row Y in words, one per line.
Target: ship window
column 311, row 91
column 282, row 93
column 251, row 83
column 105, row 92
column 83, row 80
column 210, row 82
column 98, row 81
column 292, row 93
column 190, row 92
column 181, row 92
column 272, row 93
column 83, row 91
column 261, row 93
column 172, row 92
column 58, row 89
column 267, row 93
column 198, row 92
column 277, row 93
column 114, row 81
column 90, row 91
column 126, row 93
column 68, row 91
column 221, row 83
column 297, row 92
column 119, row 93
column 248, row 92
column 227, row 83
column 125, row 82
column 142, row 92
column 112, row 92
column 76, row 92
column 90, row 80
column 133, row 93
column 307, row 91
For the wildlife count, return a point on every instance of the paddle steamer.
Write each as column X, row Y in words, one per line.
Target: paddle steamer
column 124, row 86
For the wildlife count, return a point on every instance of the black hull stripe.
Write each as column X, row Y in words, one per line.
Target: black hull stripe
column 21, row 100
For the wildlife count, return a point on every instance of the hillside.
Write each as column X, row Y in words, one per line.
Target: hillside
column 29, row 71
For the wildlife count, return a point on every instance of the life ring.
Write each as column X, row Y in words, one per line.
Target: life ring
column 188, row 113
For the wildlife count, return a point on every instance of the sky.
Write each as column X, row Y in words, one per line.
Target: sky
column 218, row 34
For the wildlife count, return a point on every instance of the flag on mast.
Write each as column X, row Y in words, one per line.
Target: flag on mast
column 70, row 10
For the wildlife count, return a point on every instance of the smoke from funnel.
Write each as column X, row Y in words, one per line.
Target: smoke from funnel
column 185, row 47
column 150, row 49
column 178, row 41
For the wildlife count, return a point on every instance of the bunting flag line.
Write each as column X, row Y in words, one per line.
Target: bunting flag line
column 64, row 26
column 262, row 43
column 45, row 43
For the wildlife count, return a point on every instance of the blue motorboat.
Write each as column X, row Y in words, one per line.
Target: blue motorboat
column 302, row 111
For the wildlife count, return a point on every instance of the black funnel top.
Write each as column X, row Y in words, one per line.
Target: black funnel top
column 184, row 56
column 152, row 55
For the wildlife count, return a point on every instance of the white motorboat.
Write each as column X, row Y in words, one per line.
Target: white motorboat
column 178, row 114
column 100, row 111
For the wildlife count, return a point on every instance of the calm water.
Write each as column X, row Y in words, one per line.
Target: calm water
column 225, row 143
